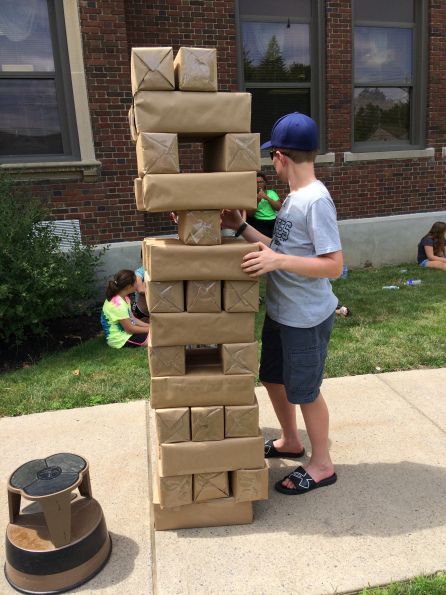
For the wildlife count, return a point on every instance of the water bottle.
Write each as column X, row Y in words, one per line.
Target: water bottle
column 413, row 282
column 390, row 287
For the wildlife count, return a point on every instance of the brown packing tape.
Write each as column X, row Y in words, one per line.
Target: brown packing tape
column 193, row 114
column 157, row 153
column 151, row 69
column 188, row 328
column 233, row 152
column 196, row 69
column 241, row 296
column 200, row 191
column 230, row 454
column 199, row 228
column 207, row 423
column 167, row 361
column 137, row 184
column 249, row 484
column 202, row 388
column 175, row 491
column 203, row 296
column 165, row 296
column 241, row 420
column 173, row 425
column 209, row 486
column 240, row 358
column 170, row 260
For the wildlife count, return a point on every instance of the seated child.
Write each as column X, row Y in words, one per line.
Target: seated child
column 432, row 248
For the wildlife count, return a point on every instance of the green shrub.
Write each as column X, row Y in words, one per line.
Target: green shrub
column 38, row 281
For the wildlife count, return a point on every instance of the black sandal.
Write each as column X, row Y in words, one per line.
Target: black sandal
column 271, row 452
column 303, row 482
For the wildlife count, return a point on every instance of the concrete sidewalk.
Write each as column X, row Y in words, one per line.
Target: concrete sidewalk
column 384, row 520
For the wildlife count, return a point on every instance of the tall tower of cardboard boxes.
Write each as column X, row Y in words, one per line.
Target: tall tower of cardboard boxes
column 207, row 455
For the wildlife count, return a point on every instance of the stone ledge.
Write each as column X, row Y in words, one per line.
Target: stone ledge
column 320, row 159
column 86, row 171
column 381, row 155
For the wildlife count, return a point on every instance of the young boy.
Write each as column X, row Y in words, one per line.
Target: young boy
column 304, row 253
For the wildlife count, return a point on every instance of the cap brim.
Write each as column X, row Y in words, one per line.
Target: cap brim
column 266, row 145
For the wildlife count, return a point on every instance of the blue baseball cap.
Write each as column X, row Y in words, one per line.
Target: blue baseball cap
column 294, row 131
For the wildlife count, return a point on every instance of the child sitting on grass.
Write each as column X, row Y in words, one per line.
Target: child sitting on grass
column 121, row 328
column 432, row 248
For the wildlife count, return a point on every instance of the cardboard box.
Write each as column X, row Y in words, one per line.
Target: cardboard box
column 230, row 454
column 188, row 328
column 165, row 296
column 241, row 421
column 207, row 423
column 241, row 296
column 210, row 486
column 151, row 69
column 137, row 186
column 175, row 491
column 199, row 228
column 132, row 126
column 193, row 115
column 167, row 361
column 201, row 192
column 203, row 296
column 170, row 260
column 233, row 152
column 249, row 484
column 157, row 153
column 173, row 425
column 196, row 69
column 240, row 358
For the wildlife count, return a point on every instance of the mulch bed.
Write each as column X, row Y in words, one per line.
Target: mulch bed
column 61, row 335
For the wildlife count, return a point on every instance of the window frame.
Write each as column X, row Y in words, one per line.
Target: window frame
column 317, row 62
column 418, row 87
column 64, row 93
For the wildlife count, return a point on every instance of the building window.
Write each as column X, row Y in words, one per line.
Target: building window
column 389, row 66
column 37, row 118
column 280, row 57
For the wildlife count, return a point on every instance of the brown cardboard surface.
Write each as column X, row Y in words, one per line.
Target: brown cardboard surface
column 165, row 296
column 151, row 69
column 196, row 69
column 241, row 420
column 240, row 358
column 207, row 423
column 241, row 296
column 137, row 186
column 199, row 228
column 175, row 491
column 192, row 114
column 200, row 191
column 170, row 260
column 157, row 153
column 203, row 296
column 230, row 454
column 200, row 357
column 249, row 484
column 202, row 387
column 188, row 328
column 173, row 425
column 167, row 361
column 233, row 152
column 131, row 117
column 210, row 486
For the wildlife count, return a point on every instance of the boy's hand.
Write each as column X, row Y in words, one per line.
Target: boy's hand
column 259, row 263
column 231, row 219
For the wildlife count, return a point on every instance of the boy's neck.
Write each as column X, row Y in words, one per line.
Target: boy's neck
column 300, row 175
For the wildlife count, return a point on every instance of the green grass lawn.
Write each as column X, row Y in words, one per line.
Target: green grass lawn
column 422, row 585
column 387, row 330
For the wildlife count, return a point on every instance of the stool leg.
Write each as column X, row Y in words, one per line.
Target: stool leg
column 85, row 486
column 14, row 505
column 57, row 512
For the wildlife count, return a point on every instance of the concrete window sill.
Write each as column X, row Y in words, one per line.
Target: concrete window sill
column 320, row 159
column 86, row 171
column 381, row 155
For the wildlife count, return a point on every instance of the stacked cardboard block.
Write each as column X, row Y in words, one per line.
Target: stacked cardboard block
column 208, row 464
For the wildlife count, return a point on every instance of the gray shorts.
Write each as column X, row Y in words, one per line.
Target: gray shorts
column 295, row 357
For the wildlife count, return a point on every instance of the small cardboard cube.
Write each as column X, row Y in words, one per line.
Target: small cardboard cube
column 196, row 69
column 151, row 69
column 241, row 421
column 173, row 425
column 241, row 296
column 203, row 296
column 167, row 361
column 199, row 228
column 157, row 153
column 210, row 486
column 137, row 185
column 207, row 423
column 239, row 358
column 249, row 484
column 233, row 152
column 165, row 296
column 175, row 491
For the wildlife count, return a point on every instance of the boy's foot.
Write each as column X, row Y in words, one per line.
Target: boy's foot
column 271, row 452
column 302, row 482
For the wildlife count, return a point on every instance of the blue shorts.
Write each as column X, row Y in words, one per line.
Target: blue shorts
column 295, row 357
column 424, row 262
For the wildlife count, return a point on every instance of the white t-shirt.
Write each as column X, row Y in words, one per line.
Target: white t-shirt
column 305, row 226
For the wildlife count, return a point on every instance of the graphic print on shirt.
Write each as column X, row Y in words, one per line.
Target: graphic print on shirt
column 282, row 229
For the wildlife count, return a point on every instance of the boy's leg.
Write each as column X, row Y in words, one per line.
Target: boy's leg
column 289, row 440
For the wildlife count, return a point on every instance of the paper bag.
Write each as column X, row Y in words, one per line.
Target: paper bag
column 207, row 423
column 249, row 484
column 241, row 296
column 157, row 153
column 203, row 296
column 241, row 420
column 151, row 69
column 240, row 358
column 165, row 296
column 199, row 228
column 173, row 425
column 137, row 185
column 196, row 69
column 167, row 361
column 210, row 486
column 175, row 491
column 233, row 152
column 133, row 131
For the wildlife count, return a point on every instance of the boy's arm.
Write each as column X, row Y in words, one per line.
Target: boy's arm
column 232, row 219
